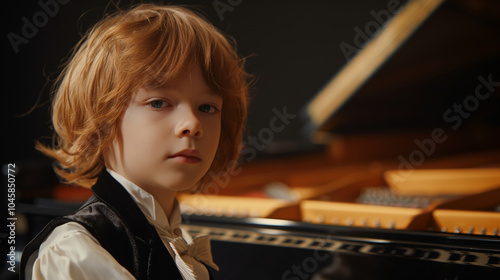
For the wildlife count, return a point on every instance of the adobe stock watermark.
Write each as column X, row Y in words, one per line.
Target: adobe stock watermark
column 223, row 6
column 29, row 29
column 370, row 29
column 11, row 216
column 336, row 252
column 455, row 116
column 309, row 265
column 249, row 149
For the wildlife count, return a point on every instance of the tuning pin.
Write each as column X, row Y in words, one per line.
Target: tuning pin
column 186, row 209
column 209, row 212
column 199, row 211
column 483, row 231
column 243, row 213
column 392, row 224
column 363, row 221
column 280, row 190
column 471, row 230
column 232, row 213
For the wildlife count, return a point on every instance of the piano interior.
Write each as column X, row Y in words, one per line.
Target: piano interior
column 402, row 180
column 402, row 187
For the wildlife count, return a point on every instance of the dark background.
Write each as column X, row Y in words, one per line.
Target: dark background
column 293, row 49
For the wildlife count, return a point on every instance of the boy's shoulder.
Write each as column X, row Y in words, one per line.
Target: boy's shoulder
column 66, row 234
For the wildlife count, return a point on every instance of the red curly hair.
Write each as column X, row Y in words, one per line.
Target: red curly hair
column 146, row 46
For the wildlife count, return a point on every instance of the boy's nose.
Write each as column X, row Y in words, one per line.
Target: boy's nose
column 189, row 125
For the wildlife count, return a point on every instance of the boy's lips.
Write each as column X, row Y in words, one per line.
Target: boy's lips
column 187, row 156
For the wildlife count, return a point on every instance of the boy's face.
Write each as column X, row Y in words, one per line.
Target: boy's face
column 168, row 136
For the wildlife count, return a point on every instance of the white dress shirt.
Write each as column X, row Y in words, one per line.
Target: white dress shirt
column 71, row 252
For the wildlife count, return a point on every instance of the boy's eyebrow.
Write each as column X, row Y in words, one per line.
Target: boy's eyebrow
column 147, row 92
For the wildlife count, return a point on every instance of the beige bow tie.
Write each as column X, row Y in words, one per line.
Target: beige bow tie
column 199, row 250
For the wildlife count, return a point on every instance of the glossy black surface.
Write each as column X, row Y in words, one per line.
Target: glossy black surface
column 479, row 242
column 276, row 249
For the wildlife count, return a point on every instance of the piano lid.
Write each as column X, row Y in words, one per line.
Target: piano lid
column 420, row 70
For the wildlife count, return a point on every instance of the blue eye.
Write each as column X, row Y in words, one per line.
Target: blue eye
column 209, row 109
column 157, row 104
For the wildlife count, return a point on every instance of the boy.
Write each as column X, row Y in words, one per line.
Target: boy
column 151, row 100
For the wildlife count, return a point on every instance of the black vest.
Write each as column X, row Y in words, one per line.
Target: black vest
column 121, row 228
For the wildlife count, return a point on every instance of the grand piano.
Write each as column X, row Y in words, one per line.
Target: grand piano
column 402, row 180
column 406, row 185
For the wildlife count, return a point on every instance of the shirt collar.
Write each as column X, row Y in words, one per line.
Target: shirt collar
column 149, row 206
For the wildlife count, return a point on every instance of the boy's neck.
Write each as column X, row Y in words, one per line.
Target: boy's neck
column 166, row 200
